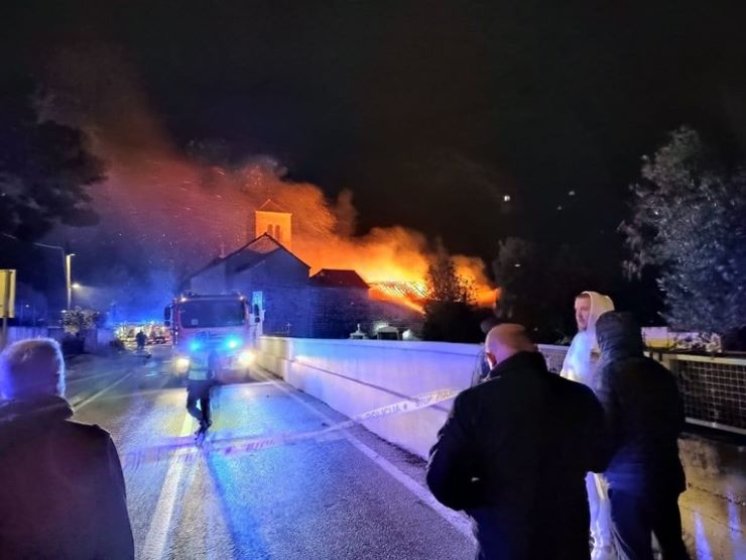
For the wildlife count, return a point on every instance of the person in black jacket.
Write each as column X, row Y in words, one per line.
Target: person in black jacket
column 645, row 416
column 514, row 453
column 62, row 494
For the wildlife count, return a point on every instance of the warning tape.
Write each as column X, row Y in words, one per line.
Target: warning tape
column 186, row 450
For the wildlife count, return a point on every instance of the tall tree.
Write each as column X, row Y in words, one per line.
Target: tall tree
column 687, row 223
column 45, row 170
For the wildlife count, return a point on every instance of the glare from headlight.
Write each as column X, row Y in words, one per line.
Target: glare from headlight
column 182, row 362
column 233, row 343
column 246, row 358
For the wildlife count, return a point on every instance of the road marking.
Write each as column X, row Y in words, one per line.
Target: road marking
column 158, row 532
column 457, row 520
column 229, row 444
column 77, row 406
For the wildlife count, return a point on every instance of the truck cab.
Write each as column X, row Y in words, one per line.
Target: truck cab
column 201, row 323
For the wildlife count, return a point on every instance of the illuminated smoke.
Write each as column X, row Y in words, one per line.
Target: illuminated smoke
column 165, row 214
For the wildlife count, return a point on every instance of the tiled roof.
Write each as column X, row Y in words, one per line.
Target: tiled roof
column 271, row 206
column 335, row 278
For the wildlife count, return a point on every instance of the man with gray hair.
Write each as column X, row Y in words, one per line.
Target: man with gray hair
column 514, row 452
column 62, row 493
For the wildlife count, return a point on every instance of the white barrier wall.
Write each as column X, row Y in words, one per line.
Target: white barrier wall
column 356, row 376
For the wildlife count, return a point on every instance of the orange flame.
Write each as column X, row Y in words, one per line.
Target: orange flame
column 188, row 212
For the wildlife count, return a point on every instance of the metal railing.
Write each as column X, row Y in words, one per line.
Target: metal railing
column 713, row 387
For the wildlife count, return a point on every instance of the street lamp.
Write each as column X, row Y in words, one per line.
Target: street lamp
column 68, row 278
column 68, row 264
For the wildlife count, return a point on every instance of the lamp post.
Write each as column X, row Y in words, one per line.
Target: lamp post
column 75, row 287
column 68, row 278
column 68, row 264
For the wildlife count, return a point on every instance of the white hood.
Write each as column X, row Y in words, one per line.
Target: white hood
column 579, row 360
column 600, row 304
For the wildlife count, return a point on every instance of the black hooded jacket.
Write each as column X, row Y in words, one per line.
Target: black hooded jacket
column 514, row 453
column 644, row 411
column 62, row 493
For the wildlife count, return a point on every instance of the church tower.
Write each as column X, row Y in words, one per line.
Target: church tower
column 272, row 219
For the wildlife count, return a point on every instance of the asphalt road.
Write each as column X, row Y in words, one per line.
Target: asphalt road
column 341, row 494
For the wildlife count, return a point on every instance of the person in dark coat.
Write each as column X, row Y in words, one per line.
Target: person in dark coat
column 141, row 339
column 200, row 381
column 645, row 415
column 62, row 493
column 514, row 453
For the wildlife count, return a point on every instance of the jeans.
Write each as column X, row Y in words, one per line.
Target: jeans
column 600, row 510
column 636, row 516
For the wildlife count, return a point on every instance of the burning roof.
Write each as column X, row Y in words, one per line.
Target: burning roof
column 333, row 278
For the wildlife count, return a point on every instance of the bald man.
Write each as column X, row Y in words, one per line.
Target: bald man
column 514, row 453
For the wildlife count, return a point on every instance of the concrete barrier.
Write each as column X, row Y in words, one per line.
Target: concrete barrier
column 355, row 376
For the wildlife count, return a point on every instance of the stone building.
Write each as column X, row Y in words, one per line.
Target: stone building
column 329, row 304
column 339, row 300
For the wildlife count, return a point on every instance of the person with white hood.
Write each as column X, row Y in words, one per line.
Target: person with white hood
column 581, row 365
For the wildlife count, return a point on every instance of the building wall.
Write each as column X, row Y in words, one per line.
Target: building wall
column 277, row 269
column 277, row 224
column 287, row 311
column 337, row 311
column 282, row 280
column 211, row 281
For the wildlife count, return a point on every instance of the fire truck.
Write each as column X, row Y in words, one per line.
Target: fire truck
column 223, row 323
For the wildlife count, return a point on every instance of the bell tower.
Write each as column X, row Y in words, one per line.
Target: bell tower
column 271, row 218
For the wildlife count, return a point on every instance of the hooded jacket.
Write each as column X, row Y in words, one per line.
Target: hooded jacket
column 580, row 361
column 644, row 411
column 514, row 453
column 62, row 493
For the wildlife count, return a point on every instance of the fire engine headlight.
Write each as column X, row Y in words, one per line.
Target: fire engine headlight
column 246, row 358
column 182, row 362
column 233, row 342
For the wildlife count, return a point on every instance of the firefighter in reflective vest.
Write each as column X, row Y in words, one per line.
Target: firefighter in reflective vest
column 200, row 379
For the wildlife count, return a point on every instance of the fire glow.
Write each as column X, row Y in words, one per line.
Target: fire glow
column 175, row 213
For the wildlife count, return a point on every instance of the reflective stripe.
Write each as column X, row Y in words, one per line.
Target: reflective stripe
column 197, row 374
column 198, row 369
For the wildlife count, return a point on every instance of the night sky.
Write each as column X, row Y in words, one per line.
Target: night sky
column 430, row 112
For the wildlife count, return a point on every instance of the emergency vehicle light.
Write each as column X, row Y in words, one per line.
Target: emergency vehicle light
column 233, row 342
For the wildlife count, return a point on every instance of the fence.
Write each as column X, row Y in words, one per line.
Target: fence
column 713, row 388
column 21, row 333
column 94, row 340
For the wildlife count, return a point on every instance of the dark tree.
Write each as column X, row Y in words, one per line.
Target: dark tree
column 687, row 223
column 449, row 312
column 45, row 170
column 539, row 282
